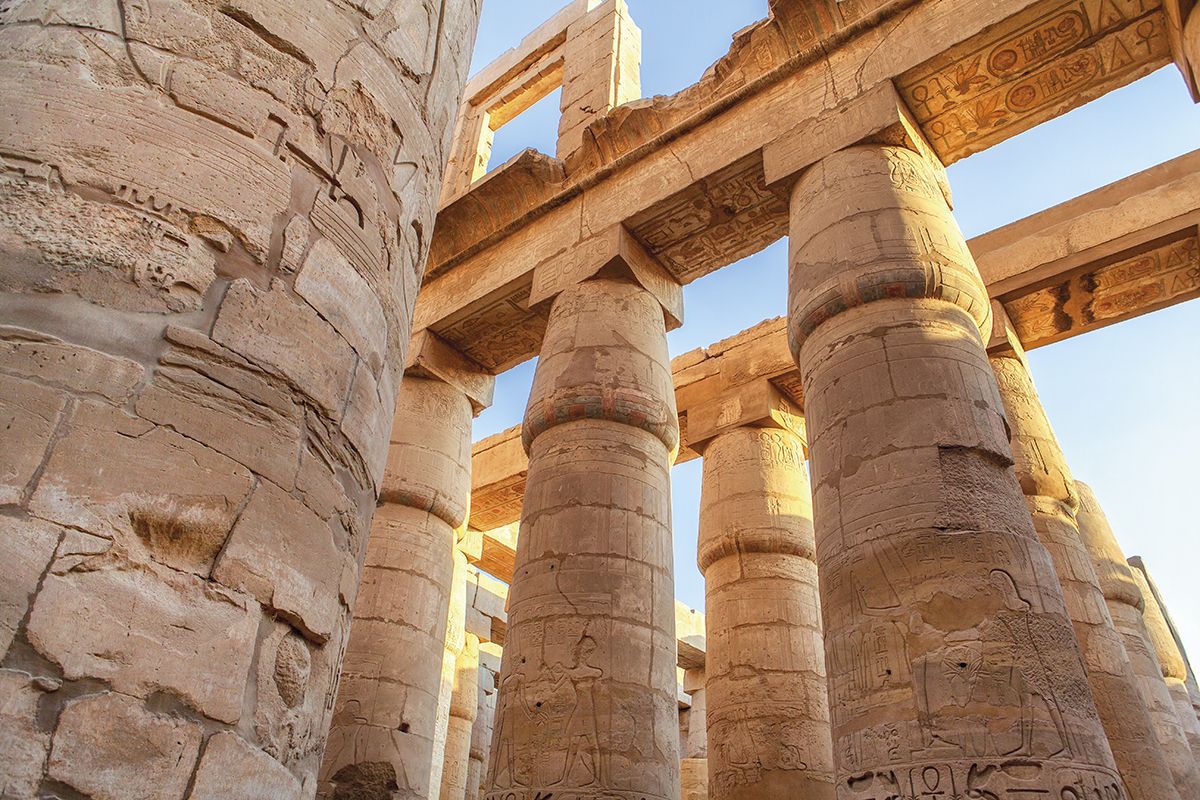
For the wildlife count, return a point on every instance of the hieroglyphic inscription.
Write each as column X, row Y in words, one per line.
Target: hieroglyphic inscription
column 501, row 332
column 716, row 221
column 1036, row 66
column 1136, row 284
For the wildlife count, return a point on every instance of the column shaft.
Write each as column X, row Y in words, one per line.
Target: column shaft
column 481, row 733
column 768, row 710
column 1171, row 661
column 463, row 709
column 1052, row 498
column 950, row 652
column 1126, row 604
column 214, row 217
column 693, row 769
column 587, row 699
column 385, row 733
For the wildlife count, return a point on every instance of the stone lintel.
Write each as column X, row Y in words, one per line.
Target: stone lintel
column 431, row 356
column 612, row 251
column 877, row 116
column 757, row 404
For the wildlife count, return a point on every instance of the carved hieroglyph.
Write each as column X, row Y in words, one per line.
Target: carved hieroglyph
column 464, row 702
column 952, row 663
column 768, row 708
column 1126, row 604
column 213, row 220
column 385, row 723
column 587, row 698
column 1171, row 660
column 1052, row 499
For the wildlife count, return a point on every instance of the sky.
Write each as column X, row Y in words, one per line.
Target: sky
column 1124, row 400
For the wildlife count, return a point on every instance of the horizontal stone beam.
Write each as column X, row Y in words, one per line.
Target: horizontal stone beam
column 1120, row 251
column 685, row 174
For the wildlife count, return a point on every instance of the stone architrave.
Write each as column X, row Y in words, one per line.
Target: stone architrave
column 1170, row 658
column 1125, row 603
column 767, row 702
column 953, row 665
column 464, row 702
column 1052, row 499
column 387, row 727
column 587, row 700
column 214, row 218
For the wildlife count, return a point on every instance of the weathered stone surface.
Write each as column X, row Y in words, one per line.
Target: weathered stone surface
column 147, row 630
column 464, row 702
column 232, row 768
column 339, row 294
column 26, row 547
column 147, row 487
column 587, row 700
column 109, row 747
column 287, row 557
column 269, row 329
column 28, row 416
column 213, row 395
column 947, row 639
column 73, row 367
column 22, row 742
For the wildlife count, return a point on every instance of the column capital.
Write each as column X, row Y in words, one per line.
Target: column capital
column 430, row 356
column 613, row 252
column 1004, row 339
column 1183, row 29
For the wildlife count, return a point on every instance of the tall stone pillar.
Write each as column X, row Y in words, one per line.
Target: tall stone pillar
column 1170, row 658
column 1126, row 604
column 1052, row 499
column 953, row 666
column 392, row 710
column 463, row 709
column 213, row 222
column 481, row 733
column 587, row 701
column 693, row 769
column 768, row 709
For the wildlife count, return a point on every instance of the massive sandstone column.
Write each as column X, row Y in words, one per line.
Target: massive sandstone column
column 587, row 700
column 481, row 733
column 213, row 219
column 463, row 708
column 1170, row 657
column 953, row 666
column 1052, row 499
column 387, row 728
column 768, row 708
column 693, row 768
column 1126, row 604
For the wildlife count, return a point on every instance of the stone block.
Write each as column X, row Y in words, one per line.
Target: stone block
column 331, row 285
column 79, row 369
column 273, row 330
column 213, row 395
column 147, row 631
column 284, row 554
column 231, row 768
column 23, row 744
column 26, row 547
column 109, row 747
column 158, row 493
column 28, row 415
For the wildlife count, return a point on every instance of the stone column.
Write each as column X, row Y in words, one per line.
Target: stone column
column 385, row 731
column 481, row 733
column 1126, row 604
column 1170, row 658
column 213, row 222
column 953, row 666
column 693, row 769
column 463, row 709
column 587, row 701
column 768, row 711
column 1052, row 499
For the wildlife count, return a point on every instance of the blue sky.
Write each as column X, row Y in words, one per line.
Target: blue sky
column 1123, row 400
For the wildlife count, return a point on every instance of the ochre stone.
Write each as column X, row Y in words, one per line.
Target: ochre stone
column 587, row 698
column 952, row 662
column 767, row 707
column 464, row 702
column 229, row 768
column 1126, row 603
column 1052, row 499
